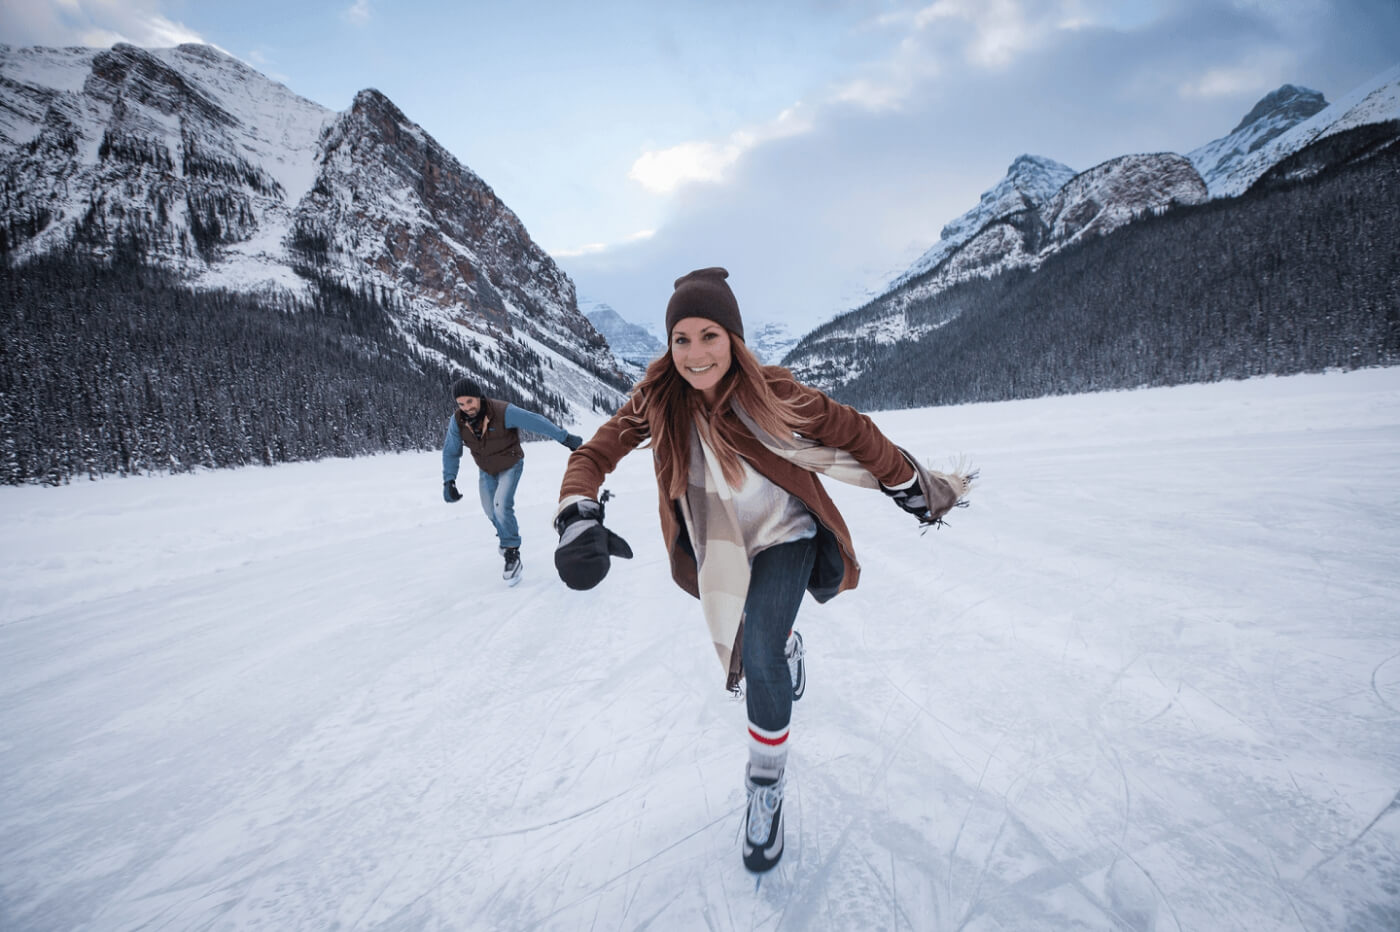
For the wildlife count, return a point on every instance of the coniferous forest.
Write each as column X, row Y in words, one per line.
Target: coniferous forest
column 116, row 368
column 1288, row 278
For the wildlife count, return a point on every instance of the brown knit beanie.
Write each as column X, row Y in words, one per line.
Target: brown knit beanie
column 704, row 293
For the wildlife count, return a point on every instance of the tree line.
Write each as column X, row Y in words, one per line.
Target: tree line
column 117, row 368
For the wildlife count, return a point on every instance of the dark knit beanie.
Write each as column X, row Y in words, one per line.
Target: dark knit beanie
column 704, row 293
column 466, row 388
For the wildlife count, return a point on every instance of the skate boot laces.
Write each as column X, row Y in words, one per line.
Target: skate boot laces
column 763, row 804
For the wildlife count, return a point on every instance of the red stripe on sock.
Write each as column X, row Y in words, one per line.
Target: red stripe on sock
column 771, row 742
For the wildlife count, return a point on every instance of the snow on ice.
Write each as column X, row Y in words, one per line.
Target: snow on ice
column 1150, row 680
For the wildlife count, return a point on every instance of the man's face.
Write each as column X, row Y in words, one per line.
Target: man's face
column 470, row 406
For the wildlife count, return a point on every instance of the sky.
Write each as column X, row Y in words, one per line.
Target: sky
column 1140, row 683
column 815, row 148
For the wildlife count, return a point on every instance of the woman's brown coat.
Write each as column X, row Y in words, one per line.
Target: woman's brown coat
column 834, row 425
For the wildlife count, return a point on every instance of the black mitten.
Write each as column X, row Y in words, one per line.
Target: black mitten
column 449, row 491
column 572, row 441
column 585, row 546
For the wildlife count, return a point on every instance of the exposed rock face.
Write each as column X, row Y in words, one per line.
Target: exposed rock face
column 1107, row 196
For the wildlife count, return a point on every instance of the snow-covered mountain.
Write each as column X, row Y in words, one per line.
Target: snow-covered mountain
column 1092, row 203
column 235, row 182
column 630, row 342
column 1219, row 159
column 770, row 341
column 1041, row 207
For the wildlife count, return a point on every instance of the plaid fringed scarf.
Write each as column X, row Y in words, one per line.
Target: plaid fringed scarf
column 718, row 538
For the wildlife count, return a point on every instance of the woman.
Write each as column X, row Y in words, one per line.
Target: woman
column 737, row 448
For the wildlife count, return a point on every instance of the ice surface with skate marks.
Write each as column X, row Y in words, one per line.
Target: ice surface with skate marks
column 1149, row 680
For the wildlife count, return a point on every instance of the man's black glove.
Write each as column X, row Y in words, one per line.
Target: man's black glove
column 450, row 493
column 585, row 546
column 572, row 441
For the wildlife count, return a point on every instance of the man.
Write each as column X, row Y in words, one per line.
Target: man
column 490, row 429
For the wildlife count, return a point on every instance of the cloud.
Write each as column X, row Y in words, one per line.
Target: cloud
column 358, row 13
column 871, row 94
column 987, row 33
column 92, row 23
column 159, row 32
column 595, row 248
column 663, row 171
column 814, row 223
column 1258, row 74
column 999, row 29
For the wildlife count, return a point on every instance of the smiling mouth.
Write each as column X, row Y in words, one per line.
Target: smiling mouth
column 701, row 369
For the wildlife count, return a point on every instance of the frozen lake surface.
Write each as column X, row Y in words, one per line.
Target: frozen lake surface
column 1150, row 680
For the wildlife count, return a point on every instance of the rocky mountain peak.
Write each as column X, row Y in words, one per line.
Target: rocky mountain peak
column 1030, row 181
column 1276, row 113
column 1289, row 104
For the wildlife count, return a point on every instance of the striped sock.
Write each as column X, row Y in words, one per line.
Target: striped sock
column 767, row 752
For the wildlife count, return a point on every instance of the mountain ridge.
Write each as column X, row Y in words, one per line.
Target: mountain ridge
column 1015, row 233
column 234, row 182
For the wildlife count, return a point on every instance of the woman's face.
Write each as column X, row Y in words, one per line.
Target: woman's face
column 701, row 353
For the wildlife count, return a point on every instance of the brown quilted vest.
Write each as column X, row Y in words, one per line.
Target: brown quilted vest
column 498, row 447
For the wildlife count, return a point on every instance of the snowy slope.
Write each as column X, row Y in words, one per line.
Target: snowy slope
column 190, row 97
column 1151, row 679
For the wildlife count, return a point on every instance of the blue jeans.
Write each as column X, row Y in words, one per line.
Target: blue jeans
column 777, row 582
column 498, row 501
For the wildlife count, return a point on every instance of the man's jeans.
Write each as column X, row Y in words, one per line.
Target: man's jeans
column 776, row 585
column 498, row 501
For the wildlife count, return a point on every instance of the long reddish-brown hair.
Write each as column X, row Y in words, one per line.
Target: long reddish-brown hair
column 671, row 405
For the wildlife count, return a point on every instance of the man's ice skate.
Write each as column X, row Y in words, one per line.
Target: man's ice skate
column 511, row 573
